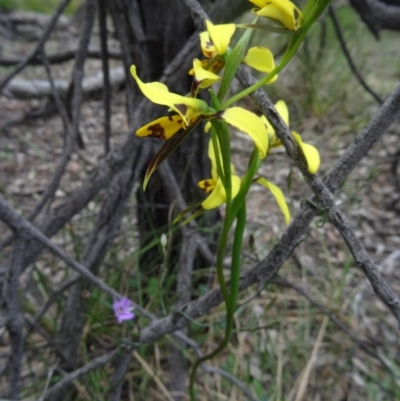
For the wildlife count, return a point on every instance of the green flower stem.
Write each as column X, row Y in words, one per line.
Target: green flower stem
column 236, row 262
column 254, row 165
column 238, row 211
column 234, row 291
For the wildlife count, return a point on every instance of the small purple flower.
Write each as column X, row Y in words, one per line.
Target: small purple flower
column 123, row 309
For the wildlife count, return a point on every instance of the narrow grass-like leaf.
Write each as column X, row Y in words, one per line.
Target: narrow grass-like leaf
column 233, row 61
column 267, row 28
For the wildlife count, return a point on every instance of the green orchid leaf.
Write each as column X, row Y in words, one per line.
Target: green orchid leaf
column 233, row 61
column 267, row 28
column 189, row 210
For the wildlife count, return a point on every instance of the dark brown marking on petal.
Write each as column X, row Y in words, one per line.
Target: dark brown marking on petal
column 157, row 131
column 182, row 108
column 296, row 14
column 195, row 87
column 208, row 44
column 207, row 185
column 179, row 121
column 216, row 66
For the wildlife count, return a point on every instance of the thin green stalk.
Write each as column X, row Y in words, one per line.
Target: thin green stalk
column 234, row 291
column 254, row 164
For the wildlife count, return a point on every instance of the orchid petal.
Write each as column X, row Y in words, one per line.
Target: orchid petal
column 278, row 195
column 310, row 152
column 158, row 93
column 163, row 128
column 211, row 155
column 283, row 11
column 207, row 47
column 283, row 110
column 218, row 195
column 261, row 59
column 204, row 78
column 220, row 35
column 249, row 123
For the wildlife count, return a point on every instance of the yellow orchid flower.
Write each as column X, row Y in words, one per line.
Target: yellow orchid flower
column 241, row 119
column 187, row 107
column 207, row 47
column 202, row 78
column 215, row 42
column 213, row 186
column 217, row 195
column 310, row 152
column 261, row 59
column 281, row 11
column 220, row 36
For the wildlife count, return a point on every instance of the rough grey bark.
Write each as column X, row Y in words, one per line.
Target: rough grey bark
column 377, row 15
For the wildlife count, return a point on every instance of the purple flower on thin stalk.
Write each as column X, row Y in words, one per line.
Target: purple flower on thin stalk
column 123, row 309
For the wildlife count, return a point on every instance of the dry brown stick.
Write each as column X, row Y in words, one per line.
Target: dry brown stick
column 377, row 15
column 76, row 374
column 105, row 65
column 59, row 10
column 54, row 181
column 50, row 341
column 120, row 367
column 122, row 31
column 14, row 317
column 347, row 55
column 53, row 297
column 187, row 255
column 75, row 92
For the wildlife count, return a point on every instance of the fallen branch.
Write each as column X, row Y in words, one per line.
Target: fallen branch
column 33, row 18
column 60, row 57
column 34, row 88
